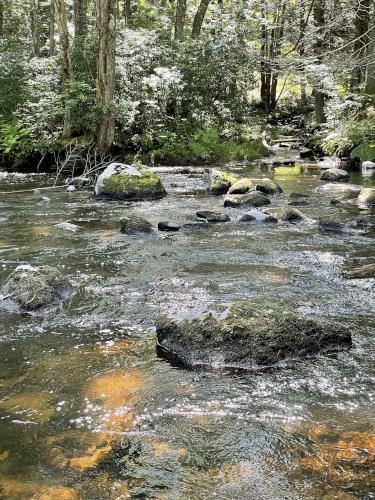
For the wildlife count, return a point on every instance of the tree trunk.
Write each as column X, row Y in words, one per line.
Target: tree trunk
column 199, row 18
column 80, row 18
column 105, row 76
column 302, row 27
column 66, row 63
column 370, row 77
column 361, row 24
column 180, row 20
column 319, row 21
column 1, row 18
column 128, row 13
column 52, row 43
column 35, row 28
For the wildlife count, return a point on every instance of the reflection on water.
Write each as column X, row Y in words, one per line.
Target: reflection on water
column 87, row 410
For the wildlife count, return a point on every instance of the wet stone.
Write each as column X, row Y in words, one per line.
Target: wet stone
column 245, row 335
column 168, row 226
column 253, row 199
column 293, row 215
column 135, row 225
column 210, row 216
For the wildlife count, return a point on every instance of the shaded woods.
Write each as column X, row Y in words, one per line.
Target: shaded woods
column 168, row 80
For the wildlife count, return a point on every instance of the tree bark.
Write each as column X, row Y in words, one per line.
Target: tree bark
column 318, row 90
column 199, row 18
column 370, row 77
column 52, row 43
column 105, row 76
column 361, row 24
column 128, row 13
column 1, row 18
column 35, row 28
column 302, row 27
column 80, row 18
column 179, row 26
column 66, row 63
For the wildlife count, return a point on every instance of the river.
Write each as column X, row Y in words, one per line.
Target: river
column 88, row 410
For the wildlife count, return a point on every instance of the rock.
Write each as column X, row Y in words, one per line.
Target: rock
column 306, row 154
column 44, row 200
column 66, row 226
column 335, row 175
column 79, row 182
column 256, row 216
column 125, row 182
column 366, row 198
column 253, row 199
column 212, row 216
column 241, row 186
column 266, row 186
column 362, row 223
column 368, row 165
column 196, row 225
column 135, row 225
column 346, row 196
column 221, row 181
column 297, row 196
column 339, row 188
column 293, row 215
column 71, row 189
column 245, row 335
column 168, row 226
column 332, row 226
column 329, row 163
column 31, row 288
column 365, row 271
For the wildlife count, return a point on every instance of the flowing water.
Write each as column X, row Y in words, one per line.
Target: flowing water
column 88, row 410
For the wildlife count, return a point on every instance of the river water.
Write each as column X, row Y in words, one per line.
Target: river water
column 88, row 410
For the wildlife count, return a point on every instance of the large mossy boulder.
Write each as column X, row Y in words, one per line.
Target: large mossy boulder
column 366, row 197
column 126, row 182
column 245, row 335
column 33, row 288
column 242, row 186
column 221, row 181
column 253, row 199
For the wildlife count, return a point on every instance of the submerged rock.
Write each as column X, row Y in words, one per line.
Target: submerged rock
column 253, row 199
column 221, row 181
column 337, row 187
column 366, row 197
column 365, row 271
column 67, row 226
column 135, row 225
column 241, row 186
column 245, row 335
column 256, row 216
column 126, row 182
column 168, row 226
column 298, row 196
column 332, row 226
column 79, row 182
column 210, row 216
column 44, row 200
column 335, row 175
column 299, row 203
column 293, row 215
column 31, row 288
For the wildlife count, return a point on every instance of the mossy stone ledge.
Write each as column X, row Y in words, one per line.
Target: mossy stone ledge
column 129, row 183
column 246, row 335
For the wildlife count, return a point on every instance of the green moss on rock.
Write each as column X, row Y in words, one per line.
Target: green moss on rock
column 246, row 335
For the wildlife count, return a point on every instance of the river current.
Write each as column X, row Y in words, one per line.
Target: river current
column 88, row 410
